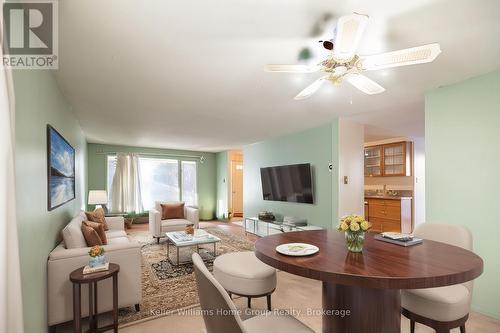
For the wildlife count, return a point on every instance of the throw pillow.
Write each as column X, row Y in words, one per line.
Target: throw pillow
column 98, row 216
column 99, row 228
column 91, row 236
column 172, row 211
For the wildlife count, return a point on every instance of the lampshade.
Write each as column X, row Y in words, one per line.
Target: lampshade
column 98, row 197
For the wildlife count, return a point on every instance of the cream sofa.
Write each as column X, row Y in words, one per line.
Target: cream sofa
column 158, row 227
column 72, row 253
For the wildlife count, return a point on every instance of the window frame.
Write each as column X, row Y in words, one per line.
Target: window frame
column 165, row 157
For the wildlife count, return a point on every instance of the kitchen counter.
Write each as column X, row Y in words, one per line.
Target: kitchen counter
column 387, row 197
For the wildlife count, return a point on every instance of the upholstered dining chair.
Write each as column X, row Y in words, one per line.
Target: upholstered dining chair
column 220, row 313
column 442, row 308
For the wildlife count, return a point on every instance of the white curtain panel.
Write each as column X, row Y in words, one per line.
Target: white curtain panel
column 126, row 187
column 11, row 309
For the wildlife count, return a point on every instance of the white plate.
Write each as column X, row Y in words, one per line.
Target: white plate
column 297, row 249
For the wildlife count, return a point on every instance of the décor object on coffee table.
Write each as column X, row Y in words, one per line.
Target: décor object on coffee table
column 189, row 230
column 78, row 278
column 354, row 227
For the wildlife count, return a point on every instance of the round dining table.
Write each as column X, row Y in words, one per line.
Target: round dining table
column 368, row 283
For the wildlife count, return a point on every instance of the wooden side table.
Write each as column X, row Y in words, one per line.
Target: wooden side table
column 78, row 278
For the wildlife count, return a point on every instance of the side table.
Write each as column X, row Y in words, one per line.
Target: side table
column 78, row 278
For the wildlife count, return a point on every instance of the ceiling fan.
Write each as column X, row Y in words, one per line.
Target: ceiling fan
column 342, row 63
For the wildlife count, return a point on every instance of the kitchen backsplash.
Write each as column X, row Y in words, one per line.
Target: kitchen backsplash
column 396, row 190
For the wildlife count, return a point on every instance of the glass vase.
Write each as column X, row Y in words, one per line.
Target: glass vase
column 354, row 240
column 97, row 261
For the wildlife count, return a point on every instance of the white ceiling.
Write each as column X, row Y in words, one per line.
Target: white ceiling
column 188, row 74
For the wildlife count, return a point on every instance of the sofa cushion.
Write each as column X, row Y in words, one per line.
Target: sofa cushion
column 172, row 211
column 72, row 233
column 175, row 222
column 98, row 216
column 90, row 235
column 115, row 234
column 99, row 228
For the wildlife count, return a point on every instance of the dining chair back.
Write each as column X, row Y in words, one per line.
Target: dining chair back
column 442, row 308
column 219, row 313
column 455, row 235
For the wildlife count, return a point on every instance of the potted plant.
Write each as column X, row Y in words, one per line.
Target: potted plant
column 97, row 257
column 131, row 217
column 354, row 227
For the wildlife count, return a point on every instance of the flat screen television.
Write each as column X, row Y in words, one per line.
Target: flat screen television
column 291, row 183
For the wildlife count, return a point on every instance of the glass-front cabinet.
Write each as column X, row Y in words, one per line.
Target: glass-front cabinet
column 394, row 159
column 373, row 161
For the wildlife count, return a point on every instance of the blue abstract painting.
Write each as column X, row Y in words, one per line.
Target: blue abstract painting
column 61, row 169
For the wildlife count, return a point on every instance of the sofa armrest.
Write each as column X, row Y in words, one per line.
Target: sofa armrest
column 115, row 222
column 62, row 253
column 155, row 223
column 192, row 215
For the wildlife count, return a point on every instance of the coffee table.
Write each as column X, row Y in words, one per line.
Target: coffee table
column 178, row 239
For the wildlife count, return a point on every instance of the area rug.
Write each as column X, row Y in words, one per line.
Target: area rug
column 167, row 288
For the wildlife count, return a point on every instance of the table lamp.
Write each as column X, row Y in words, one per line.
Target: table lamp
column 98, row 198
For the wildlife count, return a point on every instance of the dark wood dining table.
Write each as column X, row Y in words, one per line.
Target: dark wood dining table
column 368, row 284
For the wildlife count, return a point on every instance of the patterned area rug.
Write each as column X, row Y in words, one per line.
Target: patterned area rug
column 167, row 287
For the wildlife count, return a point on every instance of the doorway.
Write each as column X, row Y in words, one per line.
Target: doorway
column 236, row 183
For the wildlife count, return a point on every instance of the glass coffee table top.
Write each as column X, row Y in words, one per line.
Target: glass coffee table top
column 180, row 239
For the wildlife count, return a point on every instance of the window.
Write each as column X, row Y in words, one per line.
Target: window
column 162, row 180
column 189, row 183
column 159, row 180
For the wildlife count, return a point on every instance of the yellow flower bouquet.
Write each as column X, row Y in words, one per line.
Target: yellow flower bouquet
column 354, row 227
column 96, row 251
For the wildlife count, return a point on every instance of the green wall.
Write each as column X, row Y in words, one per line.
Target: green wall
column 222, row 184
column 318, row 146
column 462, row 147
column 38, row 103
column 206, row 172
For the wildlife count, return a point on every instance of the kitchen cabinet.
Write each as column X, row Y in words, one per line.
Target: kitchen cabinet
column 390, row 214
column 389, row 160
column 373, row 161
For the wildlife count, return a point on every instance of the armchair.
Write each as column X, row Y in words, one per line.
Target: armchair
column 158, row 227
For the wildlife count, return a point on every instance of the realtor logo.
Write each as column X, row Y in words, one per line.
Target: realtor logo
column 30, row 39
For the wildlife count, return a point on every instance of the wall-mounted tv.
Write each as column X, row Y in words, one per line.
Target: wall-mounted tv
column 291, row 183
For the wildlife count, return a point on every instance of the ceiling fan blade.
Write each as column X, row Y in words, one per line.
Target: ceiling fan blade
column 366, row 85
column 350, row 29
column 291, row 68
column 411, row 56
column 310, row 89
